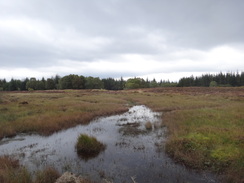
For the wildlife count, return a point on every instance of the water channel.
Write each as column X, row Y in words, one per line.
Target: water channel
column 133, row 151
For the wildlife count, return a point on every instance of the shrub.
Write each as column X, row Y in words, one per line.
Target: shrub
column 213, row 84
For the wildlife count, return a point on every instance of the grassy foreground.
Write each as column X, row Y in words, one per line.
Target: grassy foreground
column 12, row 172
column 206, row 125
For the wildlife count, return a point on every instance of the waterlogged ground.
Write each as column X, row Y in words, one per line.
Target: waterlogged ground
column 132, row 150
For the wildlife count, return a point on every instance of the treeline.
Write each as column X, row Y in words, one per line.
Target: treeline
column 79, row 82
column 228, row 79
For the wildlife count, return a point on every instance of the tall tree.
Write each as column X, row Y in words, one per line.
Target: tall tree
column 50, row 84
column 93, row 83
column 31, row 84
column 66, row 82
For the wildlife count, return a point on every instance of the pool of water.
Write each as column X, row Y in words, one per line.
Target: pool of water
column 133, row 151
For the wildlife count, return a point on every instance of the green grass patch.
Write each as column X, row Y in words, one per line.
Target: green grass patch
column 88, row 146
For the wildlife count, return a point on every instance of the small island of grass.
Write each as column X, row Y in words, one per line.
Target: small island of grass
column 88, row 146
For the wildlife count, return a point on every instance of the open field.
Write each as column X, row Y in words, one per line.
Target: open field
column 205, row 125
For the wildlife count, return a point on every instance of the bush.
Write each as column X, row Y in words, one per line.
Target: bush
column 213, row 84
column 88, row 147
column 30, row 89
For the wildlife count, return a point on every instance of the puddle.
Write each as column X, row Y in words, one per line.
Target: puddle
column 133, row 151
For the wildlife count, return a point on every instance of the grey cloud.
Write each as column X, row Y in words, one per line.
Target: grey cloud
column 87, row 31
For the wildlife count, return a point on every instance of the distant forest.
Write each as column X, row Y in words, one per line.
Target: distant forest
column 80, row 82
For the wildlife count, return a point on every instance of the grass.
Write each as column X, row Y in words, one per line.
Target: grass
column 88, row 146
column 46, row 113
column 205, row 125
column 48, row 175
column 148, row 125
column 210, row 138
column 12, row 172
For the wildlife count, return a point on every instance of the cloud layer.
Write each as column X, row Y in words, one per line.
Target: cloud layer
column 112, row 38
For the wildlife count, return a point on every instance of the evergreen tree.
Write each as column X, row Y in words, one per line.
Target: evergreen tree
column 12, row 85
column 50, row 84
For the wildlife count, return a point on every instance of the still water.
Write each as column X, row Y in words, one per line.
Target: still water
column 132, row 150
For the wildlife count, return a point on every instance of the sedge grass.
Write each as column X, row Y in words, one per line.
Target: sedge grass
column 88, row 146
column 12, row 172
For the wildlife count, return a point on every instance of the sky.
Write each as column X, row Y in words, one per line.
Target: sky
column 161, row 39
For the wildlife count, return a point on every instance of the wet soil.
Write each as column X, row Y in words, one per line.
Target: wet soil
column 133, row 151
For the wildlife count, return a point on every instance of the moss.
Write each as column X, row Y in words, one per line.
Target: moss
column 225, row 153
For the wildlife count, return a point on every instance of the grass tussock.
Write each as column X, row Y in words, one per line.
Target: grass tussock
column 12, row 172
column 148, row 125
column 48, row 175
column 88, row 146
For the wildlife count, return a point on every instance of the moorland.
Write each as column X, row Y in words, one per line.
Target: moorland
column 205, row 124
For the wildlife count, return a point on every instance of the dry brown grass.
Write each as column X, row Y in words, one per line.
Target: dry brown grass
column 12, row 172
column 148, row 125
column 48, row 175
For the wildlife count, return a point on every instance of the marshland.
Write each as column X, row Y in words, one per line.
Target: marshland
column 175, row 134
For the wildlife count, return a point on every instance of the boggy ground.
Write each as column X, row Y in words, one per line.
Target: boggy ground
column 205, row 125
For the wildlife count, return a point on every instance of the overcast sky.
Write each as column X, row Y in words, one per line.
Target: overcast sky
column 162, row 39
